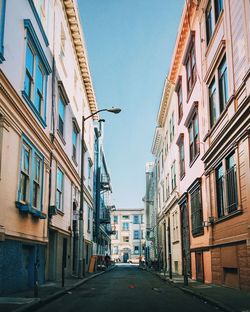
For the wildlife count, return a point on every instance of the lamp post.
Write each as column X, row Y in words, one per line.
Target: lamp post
column 81, row 268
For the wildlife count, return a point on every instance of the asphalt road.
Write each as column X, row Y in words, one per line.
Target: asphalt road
column 127, row 289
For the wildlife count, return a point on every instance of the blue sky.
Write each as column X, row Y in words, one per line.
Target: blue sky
column 129, row 44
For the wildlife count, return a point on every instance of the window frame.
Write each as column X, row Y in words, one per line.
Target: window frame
column 196, row 211
column 40, row 61
column 33, row 153
column 61, row 191
column 2, row 25
column 190, row 65
column 194, row 148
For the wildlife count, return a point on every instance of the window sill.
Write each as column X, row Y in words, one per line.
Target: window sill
column 198, row 234
column 191, row 90
column 212, row 38
column 176, row 242
column 1, row 57
column 32, row 107
column 193, row 161
column 26, row 208
column 235, row 213
column 60, row 212
column 74, row 161
column 182, row 176
column 61, row 137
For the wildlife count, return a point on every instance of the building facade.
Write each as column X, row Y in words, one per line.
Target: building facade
column 128, row 242
column 46, row 88
column 209, row 73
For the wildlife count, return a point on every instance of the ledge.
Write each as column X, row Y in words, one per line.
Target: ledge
column 32, row 107
column 229, row 216
column 27, row 208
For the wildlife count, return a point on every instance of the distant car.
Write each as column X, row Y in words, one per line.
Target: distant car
column 135, row 260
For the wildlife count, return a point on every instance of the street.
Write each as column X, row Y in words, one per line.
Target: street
column 127, row 288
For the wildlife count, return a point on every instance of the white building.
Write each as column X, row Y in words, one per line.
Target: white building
column 128, row 242
column 46, row 88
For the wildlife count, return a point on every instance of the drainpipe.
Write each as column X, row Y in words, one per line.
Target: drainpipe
column 169, row 251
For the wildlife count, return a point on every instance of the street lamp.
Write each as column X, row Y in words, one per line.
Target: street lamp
column 81, row 269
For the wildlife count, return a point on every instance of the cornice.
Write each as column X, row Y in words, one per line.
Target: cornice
column 75, row 29
column 183, row 34
column 165, row 99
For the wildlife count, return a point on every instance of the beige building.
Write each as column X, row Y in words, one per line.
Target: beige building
column 128, row 242
column 45, row 88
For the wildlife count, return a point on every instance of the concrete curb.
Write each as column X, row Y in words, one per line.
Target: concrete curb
column 41, row 302
column 210, row 300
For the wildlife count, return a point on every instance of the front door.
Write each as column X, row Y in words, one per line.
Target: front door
column 199, row 266
column 185, row 238
column 125, row 257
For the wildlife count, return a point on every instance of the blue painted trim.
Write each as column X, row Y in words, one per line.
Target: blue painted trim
column 34, row 110
column 28, row 25
column 39, row 23
column 32, row 210
column 26, row 208
column 2, row 14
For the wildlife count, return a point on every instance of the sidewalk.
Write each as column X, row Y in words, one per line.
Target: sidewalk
column 25, row 301
column 227, row 299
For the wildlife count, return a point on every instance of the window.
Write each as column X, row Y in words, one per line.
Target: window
column 167, row 187
column 193, row 130
column 74, row 142
column 166, row 143
column 226, row 186
column 214, row 114
column 61, row 115
column 62, row 43
column 218, row 8
column 231, row 183
column 196, row 211
column 115, row 219
column 125, row 217
column 90, row 165
column 2, row 17
column 136, row 234
column 36, row 71
column 136, row 250
column 136, row 219
column 182, row 156
column 209, row 21
column 213, row 10
column 223, row 87
column 220, row 191
column 217, row 103
column 89, row 217
column 116, row 235
column 115, row 250
column 31, row 175
column 59, row 190
column 180, row 101
column 175, row 226
column 125, row 239
column 171, row 126
column 125, row 226
column 190, row 64
column 173, row 176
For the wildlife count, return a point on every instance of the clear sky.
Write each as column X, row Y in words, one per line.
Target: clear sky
column 130, row 45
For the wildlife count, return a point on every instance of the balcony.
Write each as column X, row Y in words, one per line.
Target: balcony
column 105, row 216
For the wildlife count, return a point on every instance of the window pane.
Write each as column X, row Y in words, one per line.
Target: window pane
column 212, row 102
column 26, row 159
column 29, row 60
column 223, row 84
column 35, row 201
column 24, row 182
column 209, row 22
column 218, row 8
column 59, row 180
column 61, row 108
column 37, row 169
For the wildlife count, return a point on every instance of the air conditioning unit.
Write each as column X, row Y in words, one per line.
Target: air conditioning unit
column 52, row 210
